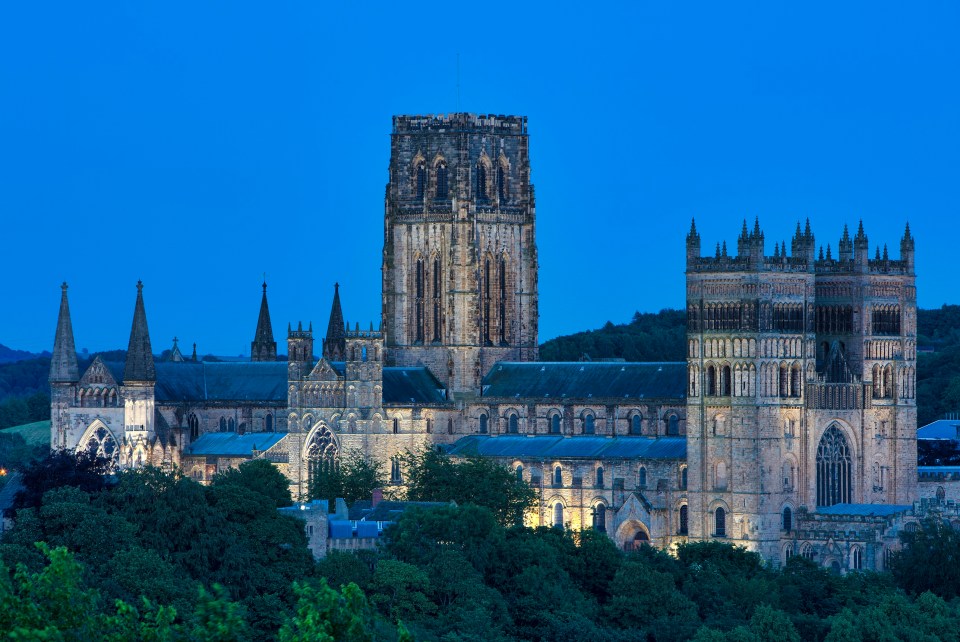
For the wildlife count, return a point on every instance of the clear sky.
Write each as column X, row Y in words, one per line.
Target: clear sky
column 197, row 145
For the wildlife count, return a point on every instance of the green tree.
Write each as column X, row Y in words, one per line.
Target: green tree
column 354, row 478
column 399, row 590
column 326, row 615
column 259, row 476
column 434, row 477
column 929, row 560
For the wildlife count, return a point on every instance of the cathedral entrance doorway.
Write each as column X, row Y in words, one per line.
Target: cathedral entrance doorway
column 632, row 535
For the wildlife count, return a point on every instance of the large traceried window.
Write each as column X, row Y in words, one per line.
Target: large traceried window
column 322, row 455
column 102, row 444
column 834, row 469
column 421, row 180
column 481, row 181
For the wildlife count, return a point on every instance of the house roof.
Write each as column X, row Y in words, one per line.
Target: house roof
column 230, row 444
column 940, row 429
column 624, row 380
column 576, row 447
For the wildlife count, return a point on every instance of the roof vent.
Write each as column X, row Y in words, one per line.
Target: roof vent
column 543, row 368
column 581, row 368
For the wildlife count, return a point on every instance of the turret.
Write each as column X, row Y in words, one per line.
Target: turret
column 334, row 344
column 263, row 347
column 693, row 245
column 861, row 250
column 139, row 378
column 846, row 245
column 907, row 250
column 364, row 366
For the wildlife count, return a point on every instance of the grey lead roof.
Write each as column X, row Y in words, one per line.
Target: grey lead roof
column 865, row 510
column 577, row 447
column 231, row 444
column 411, row 385
column 587, row 380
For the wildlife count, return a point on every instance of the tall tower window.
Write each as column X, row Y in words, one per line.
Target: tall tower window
column 481, row 181
column 418, row 301
column 486, row 302
column 441, row 170
column 421, row 180
column 683, row 521
column 501, row 184
column 834, row 469
column 503, row 301
column 436, row 298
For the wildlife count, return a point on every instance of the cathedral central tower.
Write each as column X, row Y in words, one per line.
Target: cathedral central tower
column 459, row 251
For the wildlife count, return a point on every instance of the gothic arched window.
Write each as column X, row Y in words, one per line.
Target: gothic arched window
column 441, row 170
column 483, row 424
column 501, row 183
column 683, row 521
column 683, row 478
column 436, row 298
column 231, row 425
column 481, row 181
column 711, row 381
column 223, row 424
column 519, row 473
column 856, row 558
column 834, row 469
column 102, row 444
column 557, row 476
column 720, row 528
column 642, row 477
column 396, row 425
column 268, row 422
column 194, row 424
column 396, row 477
column 725, row 382
column 636, row 425
column 600, row 477
column 503, row 301
column 418, row 300
column 421, row 180
column 555, row 424
column 486, row 303
column 787, row 519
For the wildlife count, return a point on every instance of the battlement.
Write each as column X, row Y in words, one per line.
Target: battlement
column 363, row 334
column 500, row 124
column 852, row 257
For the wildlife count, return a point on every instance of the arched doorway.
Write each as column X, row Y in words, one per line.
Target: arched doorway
column 633, row 534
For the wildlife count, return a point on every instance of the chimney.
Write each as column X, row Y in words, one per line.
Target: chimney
column 377, row 497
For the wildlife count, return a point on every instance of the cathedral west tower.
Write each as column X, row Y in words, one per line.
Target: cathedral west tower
column 459, row 254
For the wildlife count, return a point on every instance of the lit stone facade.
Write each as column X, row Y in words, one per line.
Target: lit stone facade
column 801, row 390
column 798, row 392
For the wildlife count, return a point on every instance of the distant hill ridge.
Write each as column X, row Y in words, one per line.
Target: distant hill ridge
column 9, row 355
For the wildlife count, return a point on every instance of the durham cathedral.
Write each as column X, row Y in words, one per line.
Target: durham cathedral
column 790, row 429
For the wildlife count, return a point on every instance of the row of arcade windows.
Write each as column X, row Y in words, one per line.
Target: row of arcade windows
column 587, row 424
column 441, row 185
column 225, row 425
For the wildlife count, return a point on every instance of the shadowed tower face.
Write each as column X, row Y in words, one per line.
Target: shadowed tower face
column 459, row 259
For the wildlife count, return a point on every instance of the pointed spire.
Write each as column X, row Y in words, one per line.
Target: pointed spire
column 776, row 250
column 756, row 227
column 718, row 250
column 798, row 233
column 829, row 256
column 335, row 343
column 263, row 347
column 821, row 252
column 877, row 256
column 846, row 234
column 807, row 232
column 724, row 250
column 693, row 227
column 194, row 356
column 743, row 233
column 139, row 366
column 906, row 233
column 63, row 363
column 861, row 238
column 886, row 255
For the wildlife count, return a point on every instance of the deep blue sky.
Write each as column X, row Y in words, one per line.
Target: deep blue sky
column 197, row 145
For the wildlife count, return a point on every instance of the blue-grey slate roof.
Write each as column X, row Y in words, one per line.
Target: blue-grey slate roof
column 559, row 447
column 231, row 444
column 940, row 429
column 865, row 510
column 217, row 381
column 624, row 380
column 411, row 385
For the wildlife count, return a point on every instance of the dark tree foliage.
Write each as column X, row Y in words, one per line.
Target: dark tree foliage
column 929, row 559
column 352, row 479
column 260, row 476
column 659, row 336
column 82, row 470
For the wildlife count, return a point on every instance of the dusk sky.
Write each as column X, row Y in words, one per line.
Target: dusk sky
column 198, row 146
